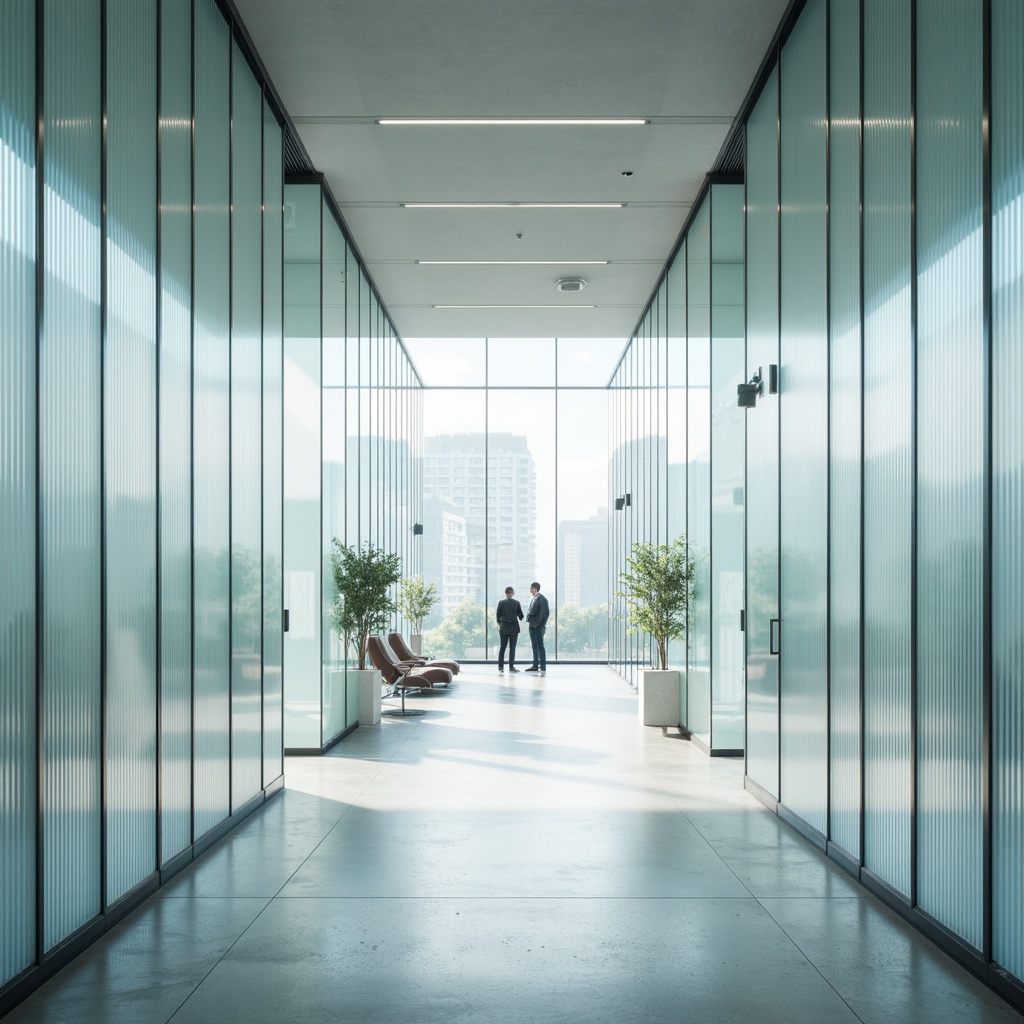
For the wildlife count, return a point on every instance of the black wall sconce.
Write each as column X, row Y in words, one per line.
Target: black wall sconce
column 620, row 504
column 417, row 529
column 747, row 394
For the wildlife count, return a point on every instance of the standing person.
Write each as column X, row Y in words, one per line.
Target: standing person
column 508, row 614
column 537, row 616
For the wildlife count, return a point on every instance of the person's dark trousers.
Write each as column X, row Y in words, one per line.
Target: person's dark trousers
column 540, row 658
column 507, row 640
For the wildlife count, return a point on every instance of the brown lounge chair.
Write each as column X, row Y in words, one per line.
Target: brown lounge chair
column 403, row 677
column 406, row 656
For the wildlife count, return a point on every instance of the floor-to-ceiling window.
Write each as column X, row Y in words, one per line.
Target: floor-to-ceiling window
column 516, row 488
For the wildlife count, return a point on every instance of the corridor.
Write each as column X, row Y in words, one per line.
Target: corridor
column 524, row 852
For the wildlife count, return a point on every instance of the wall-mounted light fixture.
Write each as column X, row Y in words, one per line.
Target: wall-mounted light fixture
column 417, row 529
column 620, row 504
column 629, row 500
column 748, row 394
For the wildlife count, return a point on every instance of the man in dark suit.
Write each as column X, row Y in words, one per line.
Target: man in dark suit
column 508, row 614
column 537, row 616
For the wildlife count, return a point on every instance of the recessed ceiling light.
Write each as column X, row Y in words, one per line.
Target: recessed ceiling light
column 515, row 206
column 513, row 263
column 515, row 121
column 513, row 307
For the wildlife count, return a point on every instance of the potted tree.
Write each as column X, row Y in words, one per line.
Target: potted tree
column 364, row 579
column 658, row 586
column 415, row 601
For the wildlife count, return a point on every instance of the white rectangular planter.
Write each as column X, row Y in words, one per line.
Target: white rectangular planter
column 416, row 643
column 658, row 697
column 369, row 696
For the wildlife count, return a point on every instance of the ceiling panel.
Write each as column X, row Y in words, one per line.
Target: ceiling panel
column 685, row 65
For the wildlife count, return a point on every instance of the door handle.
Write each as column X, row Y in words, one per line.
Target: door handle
column 774, row 635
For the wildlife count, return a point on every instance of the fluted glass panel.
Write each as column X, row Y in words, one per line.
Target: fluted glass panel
column 130, row 444
column 175, row 426
column 246, row 453
column 302, row 464
column 675, row 430
column 727, row 463
column 273, row 412
column 844, row 421
column 18, row 252
column 803, row 426
column 70, row 468
column 698, row 469
column 334, row 444
column 762, row 486
column 1007, row 485
column 888, row 466
column 950, row 466
column 211, row 417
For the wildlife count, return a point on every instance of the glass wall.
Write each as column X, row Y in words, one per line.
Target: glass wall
column 131, row 411
column 515, row 485
column 677, row 455
column 899, row 456
column 351, row 438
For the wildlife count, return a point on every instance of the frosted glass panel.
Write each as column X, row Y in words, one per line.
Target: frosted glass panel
column 888, row 393
column 950, row 467
column 17, row 487
column 130, row 445
column 762, row 485
column 803, row 428
column 334, row 444
column 1007, row 484
column 302, row 467
column 698, row 470
column 845, row 422
column 175, row 427
column 69, row 468
column 675, row 430
column 727, row 463
column 246, row 415
column 211, row 404
column 273, row 412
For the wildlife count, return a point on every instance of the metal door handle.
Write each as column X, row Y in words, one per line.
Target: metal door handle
column 774, row 635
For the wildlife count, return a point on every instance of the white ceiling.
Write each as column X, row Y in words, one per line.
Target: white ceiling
column 685, row 65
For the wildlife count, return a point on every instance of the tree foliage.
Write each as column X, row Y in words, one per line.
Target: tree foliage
column 581, row 629
column 416, row 599
column 463, row 629
column 659, row 585
column 363, row 579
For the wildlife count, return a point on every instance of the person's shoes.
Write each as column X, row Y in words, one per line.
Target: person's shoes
column 542, row 672
column 532, row 668
column 514, row 669
column 501, row 668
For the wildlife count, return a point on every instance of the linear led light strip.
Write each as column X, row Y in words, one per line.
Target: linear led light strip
column 513, row 263
column 513, row 307
column 516, row 206
column 514, row 121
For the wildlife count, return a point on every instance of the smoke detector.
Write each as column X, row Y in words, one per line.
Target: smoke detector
column 570, row 284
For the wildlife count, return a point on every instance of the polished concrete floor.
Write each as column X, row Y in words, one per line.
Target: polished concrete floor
column 525, row 852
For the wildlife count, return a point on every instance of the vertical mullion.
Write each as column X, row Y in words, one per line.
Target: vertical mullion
column 987, row 617
column 710, row 200
column 158, row 335
column 231, row 411
column 913, row 458
column 828, row 420
column 778, row 426
column 40, row 633
column 860, row 628
column 104, row 311
column 263, row 411
column 192, row 447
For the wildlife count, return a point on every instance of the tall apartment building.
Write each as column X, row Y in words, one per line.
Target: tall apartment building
column 491, row 480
